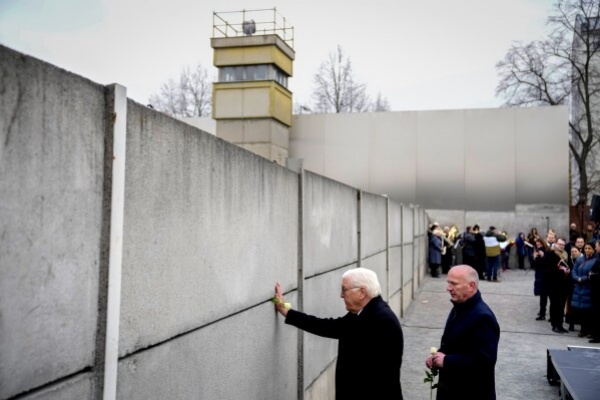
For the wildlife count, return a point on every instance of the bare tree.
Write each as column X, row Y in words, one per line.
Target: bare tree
column 191, row 96
column 563, row 67
column 381, row 104
column 338, row 91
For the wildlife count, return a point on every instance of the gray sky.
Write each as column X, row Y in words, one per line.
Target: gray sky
column 421, row 55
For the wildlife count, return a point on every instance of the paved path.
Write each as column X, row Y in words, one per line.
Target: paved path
column 521, row 366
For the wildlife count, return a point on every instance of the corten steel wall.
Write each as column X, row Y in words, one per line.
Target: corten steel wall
column 459, row 165
column 207, row 229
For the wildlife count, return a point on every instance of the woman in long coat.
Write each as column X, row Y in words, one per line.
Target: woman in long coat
column 540, row 284
column 581, row 301
column 434, row 256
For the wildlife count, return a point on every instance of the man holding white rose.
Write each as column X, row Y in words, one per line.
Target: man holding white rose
column 467, row 356
column 370, row 338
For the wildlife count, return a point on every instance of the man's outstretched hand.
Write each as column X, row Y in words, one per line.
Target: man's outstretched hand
column 280, row 304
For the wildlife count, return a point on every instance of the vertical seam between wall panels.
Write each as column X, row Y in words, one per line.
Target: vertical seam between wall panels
column 117, row 206
column 358, row 228
column 387, row 244
column 300, row 333
column 401, row 262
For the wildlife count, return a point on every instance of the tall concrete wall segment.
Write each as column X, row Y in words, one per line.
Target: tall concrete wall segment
column 51, row 177
column 208, row 228
column 448, row 161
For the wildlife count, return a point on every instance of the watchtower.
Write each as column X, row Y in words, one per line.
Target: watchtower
column 253, row 52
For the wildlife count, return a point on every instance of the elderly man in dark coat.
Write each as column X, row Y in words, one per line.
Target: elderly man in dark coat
column 467, row 356
column 370, row 339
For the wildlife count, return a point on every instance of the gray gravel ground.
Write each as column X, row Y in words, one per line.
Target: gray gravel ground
column 521, row 366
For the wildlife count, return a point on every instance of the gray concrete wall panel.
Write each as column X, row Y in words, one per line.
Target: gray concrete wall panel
column 377, row 263
column 322, row 299
column 51, row 176
column 395, row 269
column 408, row 224
column 441, row 169
column 208, row 227
column 373, row 224
column 448, row 218
column 392, row 154
column 490, row 160
column 395, row 303
column 79, row 387
column 461, row 159
column 330, row 225
column 408, row 262
column 407, row 295
column 347, row 149
column 538, row 156
column 311, row 142
column 395, row 223
column 219, row 361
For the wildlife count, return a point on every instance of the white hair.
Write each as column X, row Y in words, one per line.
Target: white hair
column 365, row 278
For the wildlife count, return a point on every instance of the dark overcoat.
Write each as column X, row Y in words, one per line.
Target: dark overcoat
column 370, row 347
column 434, row 255
column 582, row 291
column 470, row 343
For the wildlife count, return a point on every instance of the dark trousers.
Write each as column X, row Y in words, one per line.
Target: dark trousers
column 521, row 259
column 558, row 299
column 480, row 263
column 434, row 268
column 543, row 303
column 491, row 269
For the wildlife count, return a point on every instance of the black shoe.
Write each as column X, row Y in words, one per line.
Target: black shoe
column 562, row 330
column 571, row 328
column 594, row 341
column 557, row 330
column 540, row 318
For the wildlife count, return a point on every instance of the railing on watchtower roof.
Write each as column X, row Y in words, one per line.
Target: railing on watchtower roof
column 263, row 21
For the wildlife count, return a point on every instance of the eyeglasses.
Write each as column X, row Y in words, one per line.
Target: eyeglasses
column 344, row 290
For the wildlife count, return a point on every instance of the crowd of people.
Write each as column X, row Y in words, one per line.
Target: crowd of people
column 487, row 252
column 567, row 275
column 566, row 272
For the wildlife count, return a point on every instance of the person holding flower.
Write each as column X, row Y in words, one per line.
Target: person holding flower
column 466, row 359
column 370, row 338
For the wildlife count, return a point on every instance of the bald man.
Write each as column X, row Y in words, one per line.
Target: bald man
column 467, row 356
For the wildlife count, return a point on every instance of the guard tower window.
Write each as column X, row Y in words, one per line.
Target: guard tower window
column 259, row 72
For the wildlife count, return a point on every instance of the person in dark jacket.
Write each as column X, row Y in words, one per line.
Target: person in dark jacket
column 370, row 338
column 434, row 253
column 559, row 276
column 594, row 276
column 468, row 250
column 581, row 299
column 540, row 284
column 521, row 249
column 480, row 257
column 467, row 356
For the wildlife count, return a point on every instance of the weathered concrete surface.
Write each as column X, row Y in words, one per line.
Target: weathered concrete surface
column 521, row 366
column 51, row 175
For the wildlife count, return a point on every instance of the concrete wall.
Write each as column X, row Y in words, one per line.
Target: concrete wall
column 51, row 187
column 208, row 228
column 503, row 167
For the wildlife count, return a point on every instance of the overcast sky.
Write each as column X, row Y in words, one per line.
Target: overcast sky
column 419, row 54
